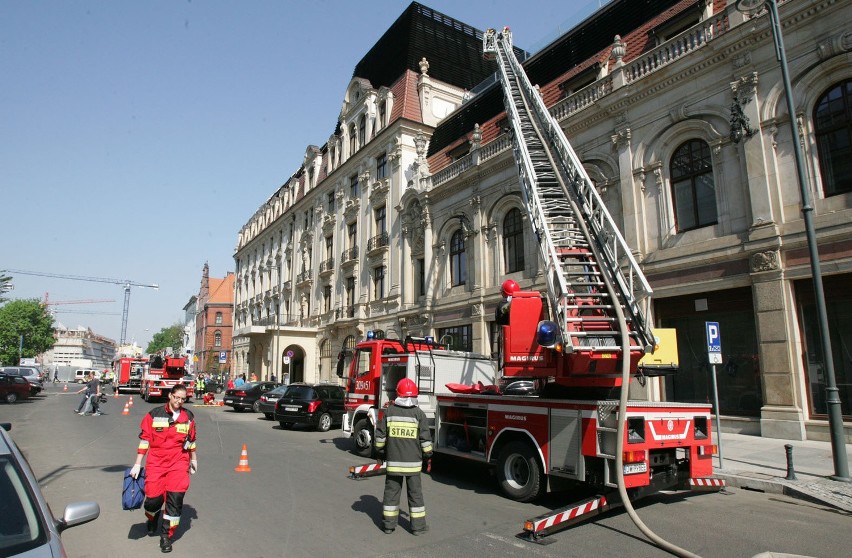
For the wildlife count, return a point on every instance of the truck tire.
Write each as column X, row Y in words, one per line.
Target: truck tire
column 362, row 435
column 519, row 472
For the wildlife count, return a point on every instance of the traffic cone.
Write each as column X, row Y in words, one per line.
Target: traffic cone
column 115, row 394
column 65, row 388
column 130, row 401
column 126, row 410
column 243, row 467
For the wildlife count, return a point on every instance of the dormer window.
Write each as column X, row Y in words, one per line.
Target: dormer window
column 382, row 110
column 676, row 25
column 353, row 146
column 458, row 152
column 579, row 81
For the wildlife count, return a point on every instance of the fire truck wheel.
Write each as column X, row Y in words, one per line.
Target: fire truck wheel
column 519, row 472
column 363, row 436
column 324, row 422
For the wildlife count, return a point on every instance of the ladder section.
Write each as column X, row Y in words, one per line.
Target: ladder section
column 581, row 247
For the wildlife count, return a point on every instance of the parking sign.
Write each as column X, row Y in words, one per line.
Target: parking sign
column 714, row 342
column 223, row 357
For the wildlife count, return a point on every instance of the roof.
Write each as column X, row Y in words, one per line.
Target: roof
column 221, row 290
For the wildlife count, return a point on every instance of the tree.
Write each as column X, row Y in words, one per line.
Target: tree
column 171, row 336
column 29, row 318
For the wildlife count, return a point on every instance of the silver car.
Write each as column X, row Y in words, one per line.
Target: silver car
column 27, row 525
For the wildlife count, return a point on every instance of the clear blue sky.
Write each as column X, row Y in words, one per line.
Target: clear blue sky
column 137, row 137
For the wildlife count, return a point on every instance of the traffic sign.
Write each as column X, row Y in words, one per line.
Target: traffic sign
column 223, row 357
column 714, row 342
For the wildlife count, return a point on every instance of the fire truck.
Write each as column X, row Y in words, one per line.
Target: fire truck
column 162, row 373
column 128, row 373
column 379, row 364
column 559, row 415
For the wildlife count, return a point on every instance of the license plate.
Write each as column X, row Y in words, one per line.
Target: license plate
column 229, row 400
column 291, row 409
column 631, row 468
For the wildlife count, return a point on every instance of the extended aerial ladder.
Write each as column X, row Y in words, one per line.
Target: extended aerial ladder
column 589, row 267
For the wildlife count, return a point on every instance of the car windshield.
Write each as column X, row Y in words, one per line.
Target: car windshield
column 21, row 526
column 280, row 390
column 248, row 386
column 302, row 392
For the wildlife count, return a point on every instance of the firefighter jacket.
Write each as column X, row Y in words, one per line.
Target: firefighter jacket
column 167, row 440
column 403, row 440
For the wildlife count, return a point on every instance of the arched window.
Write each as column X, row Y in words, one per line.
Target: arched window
column 833, row 130
column 693, row 189
column 217, row 338
column 353, row 145
column 362, row 131
column 458, row 262
column 513, row 241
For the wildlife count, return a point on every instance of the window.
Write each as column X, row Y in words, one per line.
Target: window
column 217, row 338
column 326, row 298
column 379, row 282
column 310, row 177
column 458, row 338
column 354, row 192
column 218, row 318
column 353, row 146
column 693, row 189
column 362, row 130
column 458, row 262
column 513, row 241
column 329, row 203
column 350, row 297
column 381, row 166
column 833, row 131
column 380, row 220
column 352, row 234
column 421, row 277
column 382, row 110
column 329, row 247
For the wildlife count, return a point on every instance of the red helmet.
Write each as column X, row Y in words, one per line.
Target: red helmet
column 406, row 388
column 510, row 287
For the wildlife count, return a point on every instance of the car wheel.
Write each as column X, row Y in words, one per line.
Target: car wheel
column 11, row 397
column 255, row 407
column 324, row 422
column 363, row 436
column 269, row 415
column 519, row 473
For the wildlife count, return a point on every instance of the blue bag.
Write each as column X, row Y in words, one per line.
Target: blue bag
column 133, row 491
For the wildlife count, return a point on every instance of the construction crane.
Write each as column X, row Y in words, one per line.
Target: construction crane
column 47, row 302
column 126, row 283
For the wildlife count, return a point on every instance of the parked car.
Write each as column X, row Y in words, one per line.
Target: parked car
column 319, row 405
column 13, row 388
column 213, row 385
column 27, row 525
column 269, row 399
column 31, row 375
column 247, row 396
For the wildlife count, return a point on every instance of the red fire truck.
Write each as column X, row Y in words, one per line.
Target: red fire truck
column 162, row 373
column 559, row 414
column 128, row 373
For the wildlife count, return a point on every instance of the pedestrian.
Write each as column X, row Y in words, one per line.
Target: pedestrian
column 55, row 374
column 84, row 403
column 272, row 378
column 241, row 379
column 253, row 377
column 231, row 384
column 403, row 442
column 199, row 386
column 168, row 437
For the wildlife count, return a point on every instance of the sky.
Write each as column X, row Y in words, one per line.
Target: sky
column 138, row 137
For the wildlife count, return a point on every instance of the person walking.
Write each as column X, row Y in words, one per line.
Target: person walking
column 168, row 438
column 403, row 443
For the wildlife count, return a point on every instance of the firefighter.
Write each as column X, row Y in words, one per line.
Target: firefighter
column 168, row 437
column 403, row 442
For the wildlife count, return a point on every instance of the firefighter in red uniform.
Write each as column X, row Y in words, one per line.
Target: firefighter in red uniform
column 403, row 441
column 168, row 437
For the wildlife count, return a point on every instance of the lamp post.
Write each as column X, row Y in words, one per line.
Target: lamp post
column 832, row 399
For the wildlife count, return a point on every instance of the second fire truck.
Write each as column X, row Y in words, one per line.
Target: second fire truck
column 162, row 373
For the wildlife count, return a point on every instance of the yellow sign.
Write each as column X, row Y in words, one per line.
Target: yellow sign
column 194, row 358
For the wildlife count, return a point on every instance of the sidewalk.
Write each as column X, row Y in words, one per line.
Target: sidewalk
column 759, row 463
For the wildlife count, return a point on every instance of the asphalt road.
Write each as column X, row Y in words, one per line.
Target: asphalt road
column 297, row 500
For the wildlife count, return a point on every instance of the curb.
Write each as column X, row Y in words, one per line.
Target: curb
column 777, row 485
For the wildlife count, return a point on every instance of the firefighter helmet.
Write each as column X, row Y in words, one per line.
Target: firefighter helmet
column 406, row 388
column 510, row 287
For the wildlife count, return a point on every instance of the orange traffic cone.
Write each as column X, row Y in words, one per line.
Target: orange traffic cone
column 65, row 388
column 115, row 394
column 243, row 467
column 130, row 401
column 126, row 410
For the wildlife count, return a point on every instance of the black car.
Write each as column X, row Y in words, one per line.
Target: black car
column 247, row 396
column 269, row 399
column 320, row 405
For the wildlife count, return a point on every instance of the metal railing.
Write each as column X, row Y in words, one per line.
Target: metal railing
column 377, row 241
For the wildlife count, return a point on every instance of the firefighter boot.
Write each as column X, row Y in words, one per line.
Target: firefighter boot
column 165, row 544
column 152, row 523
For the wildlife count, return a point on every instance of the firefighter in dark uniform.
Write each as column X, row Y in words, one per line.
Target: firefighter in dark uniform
column 168, row 437
column 403, row 442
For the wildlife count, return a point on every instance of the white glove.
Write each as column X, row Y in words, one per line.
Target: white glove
column 193, row 466
column 135, row 470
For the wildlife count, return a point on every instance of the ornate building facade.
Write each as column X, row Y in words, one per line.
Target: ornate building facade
column 411, row 225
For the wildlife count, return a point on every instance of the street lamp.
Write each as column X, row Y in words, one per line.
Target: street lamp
column 832, row 399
